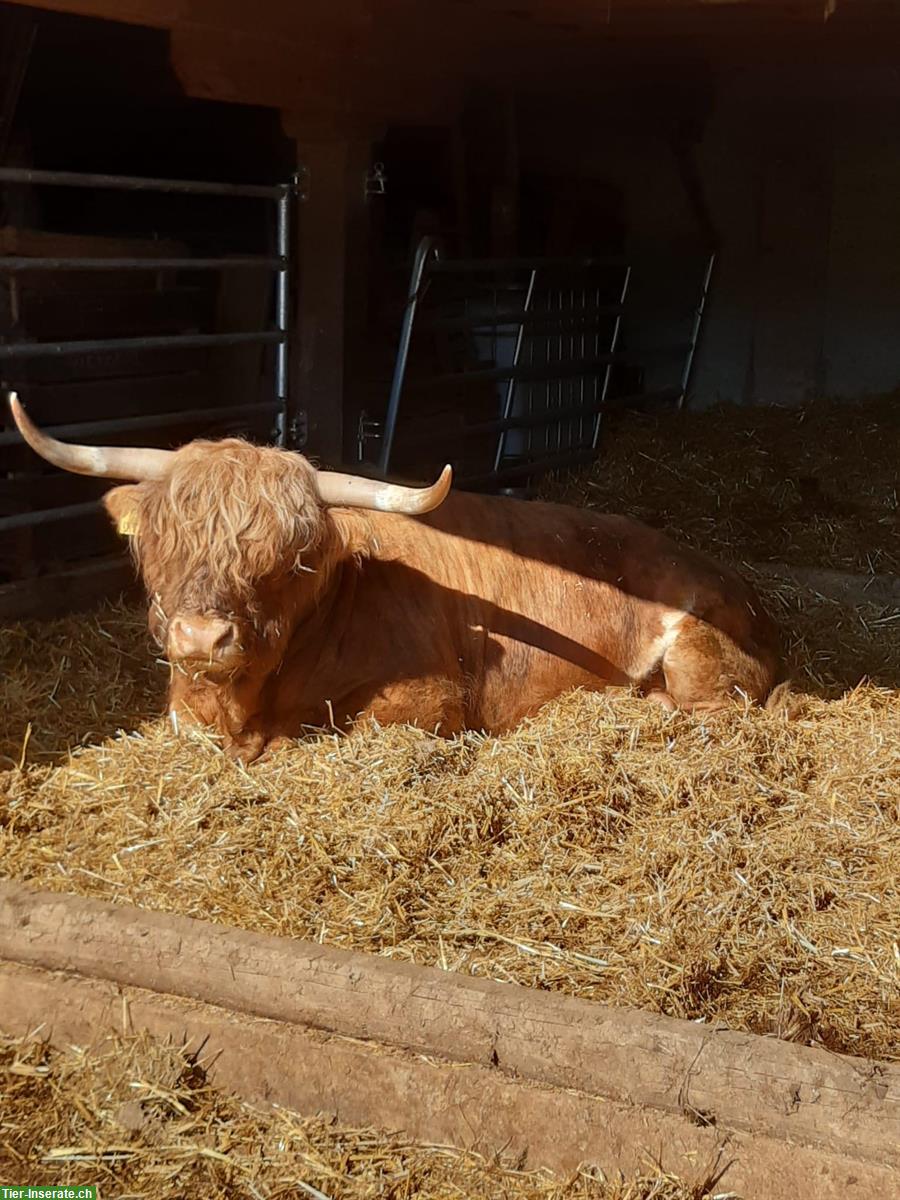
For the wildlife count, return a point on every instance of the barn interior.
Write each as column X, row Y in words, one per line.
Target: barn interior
column 646, row 258
column 727, row 170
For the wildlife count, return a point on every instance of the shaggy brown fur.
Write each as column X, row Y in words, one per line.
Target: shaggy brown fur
column 229, row 514
column 470, row 617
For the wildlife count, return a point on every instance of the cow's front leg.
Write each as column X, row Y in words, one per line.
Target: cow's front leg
column 250, row 745
column 229, row 709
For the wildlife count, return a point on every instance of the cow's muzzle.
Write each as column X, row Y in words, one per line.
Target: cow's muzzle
column 202, row 642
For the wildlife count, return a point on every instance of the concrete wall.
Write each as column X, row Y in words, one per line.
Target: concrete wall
column 803, row 173
column 800, row 165
column 862, row 319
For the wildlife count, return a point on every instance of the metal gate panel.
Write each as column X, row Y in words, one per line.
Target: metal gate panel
column 16, row 355
column 539, row 339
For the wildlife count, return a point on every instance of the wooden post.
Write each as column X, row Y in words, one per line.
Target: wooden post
column 17, row 32
column 492, row 154
column 329, row 238
column 460, row 168
column 505, row 193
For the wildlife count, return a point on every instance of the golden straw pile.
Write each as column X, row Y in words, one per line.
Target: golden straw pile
column 742, row 868
column 138, row 1118
column 817, row 485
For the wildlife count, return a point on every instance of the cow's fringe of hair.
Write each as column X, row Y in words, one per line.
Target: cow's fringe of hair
column 228, row 515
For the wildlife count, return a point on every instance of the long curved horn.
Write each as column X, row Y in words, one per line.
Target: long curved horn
column 108, row 462
column 353, row 491
column 138, row 463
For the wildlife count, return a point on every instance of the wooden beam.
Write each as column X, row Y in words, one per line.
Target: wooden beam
column 329, row 215
column 327, row 76
column 277, row 17
column 17, row 31
column 505, row 188
column 448, row 1057
column 280, row 1065
column 409, row 60
column 313, row 77
column 494, row 21
column 156, row 14
column 845, row 587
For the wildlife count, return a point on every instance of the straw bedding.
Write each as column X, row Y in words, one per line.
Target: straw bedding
column 816, row 485
column 139, row 1118
column 742, row 867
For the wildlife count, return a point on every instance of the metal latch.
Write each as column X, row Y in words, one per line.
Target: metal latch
column 368, row 430
column 293, row 433
column 376, row 181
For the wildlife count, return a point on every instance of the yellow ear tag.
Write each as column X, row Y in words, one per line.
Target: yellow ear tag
column 128, row 523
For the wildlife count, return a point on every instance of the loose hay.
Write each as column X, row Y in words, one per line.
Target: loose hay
column 740, row 867
column 140, row 1118
column 816, row 485
column 75, row 680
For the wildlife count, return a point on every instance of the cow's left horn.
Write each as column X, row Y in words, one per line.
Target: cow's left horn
column 108, row 462
column 353, row 491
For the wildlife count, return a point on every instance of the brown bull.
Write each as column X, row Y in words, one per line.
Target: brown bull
column 286, row 597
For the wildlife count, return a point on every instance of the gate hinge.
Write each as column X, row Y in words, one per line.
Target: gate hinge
column 367, row 431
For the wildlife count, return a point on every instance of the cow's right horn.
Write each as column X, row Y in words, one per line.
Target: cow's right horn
column 354, row 491
column 109, row 462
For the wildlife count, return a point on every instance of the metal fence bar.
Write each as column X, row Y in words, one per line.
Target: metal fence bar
column 566, row 341
column 19, row 350
column 527, row 420
column 484, row 266
column 47, row 515
column 426, row 254
column 552, row 370
column 517, row 353
column 20, row 263
column 580, row 319
column 695, row 331
column 613, row 345
column 282, row 314
column 279, row 263
column 128, row 183
column 185, row 416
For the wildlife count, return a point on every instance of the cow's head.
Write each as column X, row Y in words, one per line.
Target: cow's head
column 223, row 532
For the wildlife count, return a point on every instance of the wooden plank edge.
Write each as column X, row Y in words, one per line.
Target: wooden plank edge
column 270, row 1063
column 740, row 1083
column 846, row 587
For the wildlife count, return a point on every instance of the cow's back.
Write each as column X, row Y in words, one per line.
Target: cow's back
column 520, row 601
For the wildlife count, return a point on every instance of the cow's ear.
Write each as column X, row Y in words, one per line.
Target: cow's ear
column 122, row 504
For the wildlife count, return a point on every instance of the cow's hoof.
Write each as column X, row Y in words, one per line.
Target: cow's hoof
column 663, row 698
column 247, row 749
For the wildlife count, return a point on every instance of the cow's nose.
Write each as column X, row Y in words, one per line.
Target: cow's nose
column 201, row 637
